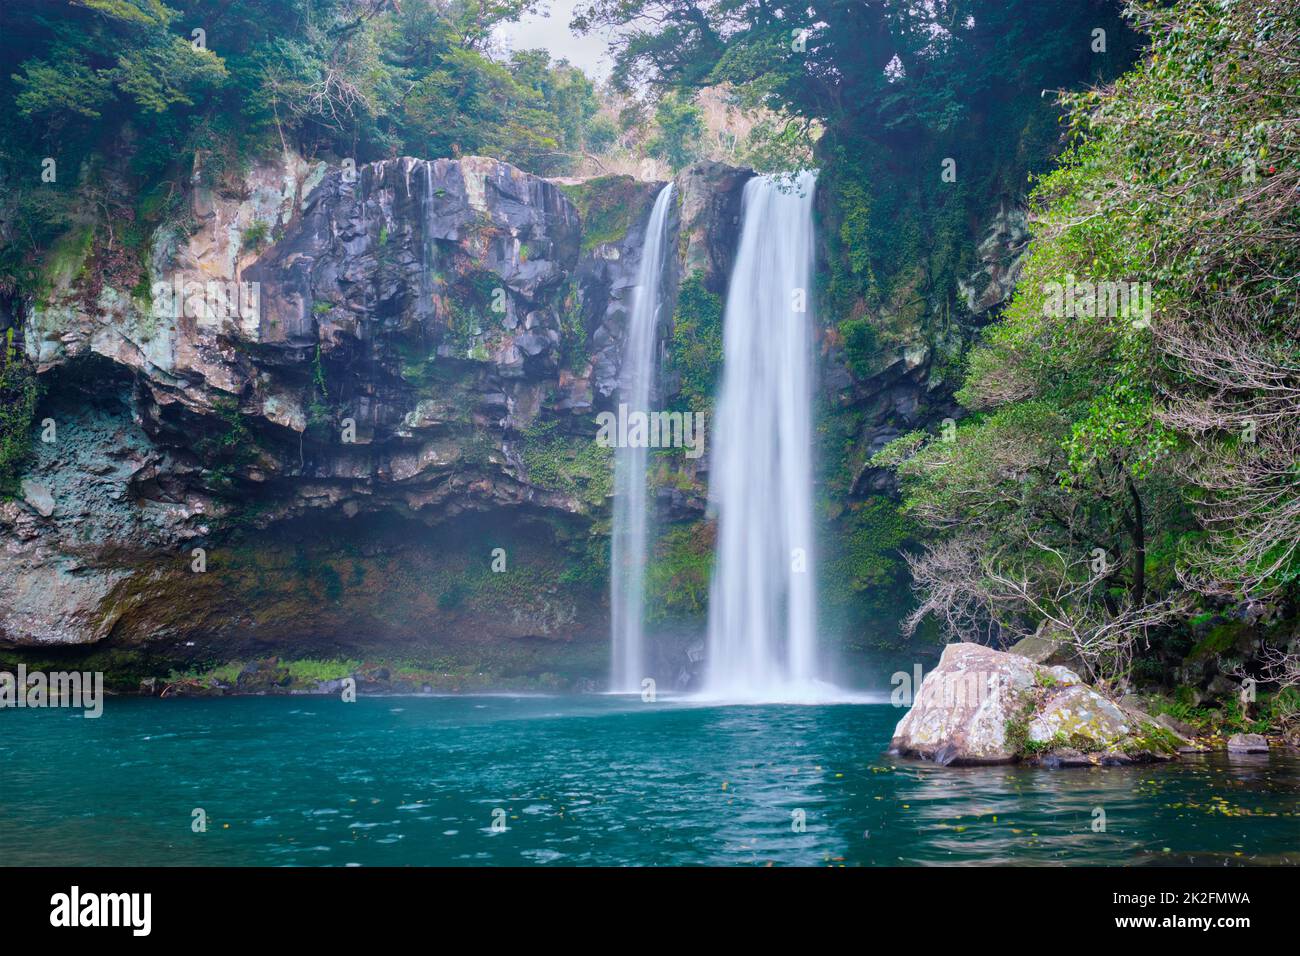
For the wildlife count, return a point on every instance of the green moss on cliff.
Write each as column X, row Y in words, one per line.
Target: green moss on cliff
column 678, row 573
column 695, row 355
column 571, row 464
column 19, row 393
column 588, row 565
column 861, row 348
column 66, row 258
column 607, row 205
column 231, row 448
column 899, row 237
column 574, row 334
column 864, row 554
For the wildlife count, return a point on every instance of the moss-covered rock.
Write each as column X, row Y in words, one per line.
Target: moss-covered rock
column 984, row 706
column 678, row 573
column 693, row 364
column 19, row 392
column 608, row 206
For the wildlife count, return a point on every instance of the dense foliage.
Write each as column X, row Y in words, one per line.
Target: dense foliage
column 113, row 99
column 19, row 392
column 680, row 128
column 1128, row 473
column 894, row 87
column 694, row 357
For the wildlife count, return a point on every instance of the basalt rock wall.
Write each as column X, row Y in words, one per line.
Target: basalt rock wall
column 349, row 413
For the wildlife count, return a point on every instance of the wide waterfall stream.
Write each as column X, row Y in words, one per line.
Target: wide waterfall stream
column 762, row 619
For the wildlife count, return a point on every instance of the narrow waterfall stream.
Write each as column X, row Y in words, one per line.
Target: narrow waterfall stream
column 762, row 627
column 628, row 549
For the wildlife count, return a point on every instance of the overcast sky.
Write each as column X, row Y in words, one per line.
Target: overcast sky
column 549, row 29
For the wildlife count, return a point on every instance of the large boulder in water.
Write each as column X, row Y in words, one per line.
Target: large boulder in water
column 982, row 706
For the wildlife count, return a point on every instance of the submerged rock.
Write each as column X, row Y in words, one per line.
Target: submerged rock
column 1247, row 744
column 982, row 706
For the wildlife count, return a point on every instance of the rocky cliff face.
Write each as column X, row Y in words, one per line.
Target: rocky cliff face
column 346, row 412
column 918, row 336
column 900, row 307
column 353, row 414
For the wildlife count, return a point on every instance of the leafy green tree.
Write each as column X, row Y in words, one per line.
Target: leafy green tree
column 19, row 393
column 601, row 134
column 67, row 87
column 679, row 127
column 129, row 88
column 882, row 66
column 1101, row 437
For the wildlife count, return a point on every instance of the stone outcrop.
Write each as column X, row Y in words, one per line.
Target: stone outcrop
column 982, row 706
column 1045, row 646
column 998, row 256
column 710, row 201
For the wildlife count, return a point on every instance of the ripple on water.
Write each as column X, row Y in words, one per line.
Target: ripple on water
column 594, row 780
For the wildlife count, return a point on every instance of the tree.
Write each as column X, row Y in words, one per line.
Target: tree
column 879, row 66
column 132, row 86
column 1102, row 436
column 679, row 127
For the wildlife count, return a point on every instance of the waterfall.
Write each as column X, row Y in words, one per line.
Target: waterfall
column 762, row 626
column 636, row 374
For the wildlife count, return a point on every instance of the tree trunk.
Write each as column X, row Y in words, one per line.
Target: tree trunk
column 1137, row 531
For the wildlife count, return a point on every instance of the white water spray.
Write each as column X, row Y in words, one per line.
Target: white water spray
column 628, row 549
column 762, row 618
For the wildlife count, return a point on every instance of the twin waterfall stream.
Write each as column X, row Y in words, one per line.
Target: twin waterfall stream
column 762, row 611
column 628, row 547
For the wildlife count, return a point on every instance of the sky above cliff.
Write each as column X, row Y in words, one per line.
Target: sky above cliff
column 548, row 29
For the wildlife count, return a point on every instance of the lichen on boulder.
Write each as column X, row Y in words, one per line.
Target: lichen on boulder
column 983, row 706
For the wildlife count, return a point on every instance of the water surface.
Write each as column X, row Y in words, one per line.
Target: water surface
column 589, row 780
